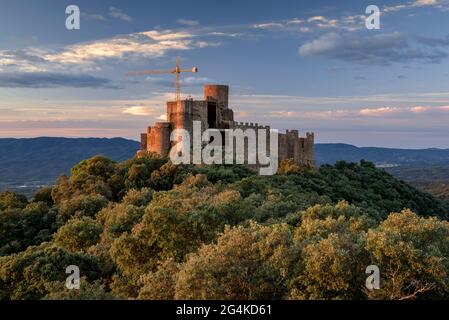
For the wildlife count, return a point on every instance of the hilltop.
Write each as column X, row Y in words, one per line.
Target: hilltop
column 26, row 164
column 147, row 229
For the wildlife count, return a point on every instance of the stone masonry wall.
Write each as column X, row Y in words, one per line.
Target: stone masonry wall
column 182, row 114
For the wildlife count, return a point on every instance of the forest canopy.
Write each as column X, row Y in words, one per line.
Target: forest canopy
column 148, row 229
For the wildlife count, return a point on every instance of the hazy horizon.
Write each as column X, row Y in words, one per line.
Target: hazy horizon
column 137, row 141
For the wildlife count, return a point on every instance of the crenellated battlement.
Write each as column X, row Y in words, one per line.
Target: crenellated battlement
column 248, row 125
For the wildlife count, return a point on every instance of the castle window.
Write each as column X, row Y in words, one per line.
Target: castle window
column 212, row 115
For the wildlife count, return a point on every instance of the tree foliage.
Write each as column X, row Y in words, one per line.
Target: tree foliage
column 246, row 263
column 78, row 234
column 31, row 273
column 20, row 228
column 148, row 229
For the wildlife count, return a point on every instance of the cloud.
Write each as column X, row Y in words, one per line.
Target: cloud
column 52, row 80
column 336, row 118
column 270, row 25
column 85, row 56
column 137, row 111
column 167, row 35
column 283, row 114
column 420, row 109
column 417, row 110
column 323, row 22
column 30, row 60
column 380, row 49
column 431, row 41
column 119, row 14
column 351, row 23
column 426, row 2
column 224, row 34
column 378, row 111
column 93, row 16
column 267, row 101
column 327, row 114
column 189, row 23
column 316, row 18
column 312, row 23
column 150, row 44
column 295, row 21
column 415, row 4
column 363, row 113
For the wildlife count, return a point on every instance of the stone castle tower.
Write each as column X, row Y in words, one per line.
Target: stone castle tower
column 214, row 113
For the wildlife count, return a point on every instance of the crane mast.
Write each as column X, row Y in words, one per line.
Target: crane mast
column 177, row 71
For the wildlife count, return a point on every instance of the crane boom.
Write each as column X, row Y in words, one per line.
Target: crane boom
column 148, row 72
column 177, row 71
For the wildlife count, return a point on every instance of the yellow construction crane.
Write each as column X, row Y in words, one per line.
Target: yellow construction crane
column 177, row 71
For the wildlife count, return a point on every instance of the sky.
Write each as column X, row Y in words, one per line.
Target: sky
column 307, row 65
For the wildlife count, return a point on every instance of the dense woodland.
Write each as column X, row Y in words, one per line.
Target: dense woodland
column 147, row 229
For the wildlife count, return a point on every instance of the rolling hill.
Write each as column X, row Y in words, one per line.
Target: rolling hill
column 329, row 153
column 29, row 163
column 26, row 164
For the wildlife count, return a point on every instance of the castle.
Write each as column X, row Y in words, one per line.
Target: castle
column 214, row 113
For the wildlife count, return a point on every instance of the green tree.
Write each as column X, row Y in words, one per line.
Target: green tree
column 412, row 255
column 78, row 234
column 120, row 218
column 138, row 198
column 44, row 195
column 87, row 291
column 137, row 172
column 333, row 258
column 245, row 263
column 178, row 221
column 98, row 175
column 20, row 228
column 62, row 189
column 159, row 285
column 288, row 166
column 11, row 200
column 80, row 206
column 133, row 257
column 27, row 275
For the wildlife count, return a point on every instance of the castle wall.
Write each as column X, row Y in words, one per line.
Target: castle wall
column 158, row 138
column 282, row 146
column 143, row 141
column 180, row 115
column 218, row 93
column 309, row 149
column 226, row 118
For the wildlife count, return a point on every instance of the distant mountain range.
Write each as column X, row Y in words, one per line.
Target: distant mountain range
column 29, row 163
column 332, row 152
